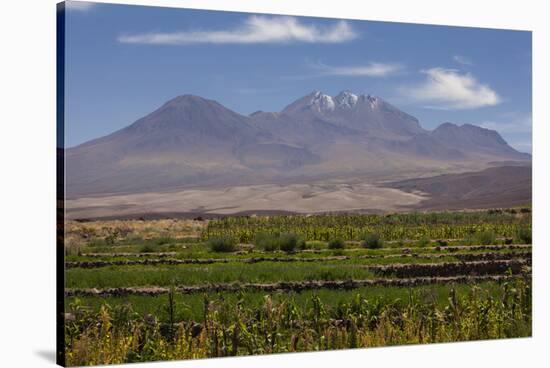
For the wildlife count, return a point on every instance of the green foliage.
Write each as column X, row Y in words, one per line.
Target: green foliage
column 336, row 243
column 301, row 243
column 222, row 244
column 228, row 327
column 315, row 244
column 424, row 242
column 400, row 243
column 267, row 242
column 194, row 274
column 182, row 325
column 524, row 235
column 164, row 240
column 304, row 245
column 351, row 227
column 486, row 237
column 372, row 241
column 147, row 248
column 288, row 242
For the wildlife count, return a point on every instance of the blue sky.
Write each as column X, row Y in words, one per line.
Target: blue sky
column 122, row 62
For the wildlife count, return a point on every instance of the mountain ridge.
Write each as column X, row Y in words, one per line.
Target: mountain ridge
column 191, row 141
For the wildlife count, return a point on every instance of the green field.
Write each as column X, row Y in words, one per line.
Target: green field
column 157, row 290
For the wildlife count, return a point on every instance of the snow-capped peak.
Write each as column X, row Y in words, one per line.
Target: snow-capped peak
column 322, row 101
column 346, row 99
column 373, row 100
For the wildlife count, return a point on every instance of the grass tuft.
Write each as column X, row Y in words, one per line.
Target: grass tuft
column 222, row 244
column 372, row 241
column 336, row 243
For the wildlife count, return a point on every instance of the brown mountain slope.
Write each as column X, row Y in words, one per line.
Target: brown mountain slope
column 188, row 141
column 194, row 142
column 495, row 187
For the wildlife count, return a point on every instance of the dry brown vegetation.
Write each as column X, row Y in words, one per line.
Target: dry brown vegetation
column 79, row 234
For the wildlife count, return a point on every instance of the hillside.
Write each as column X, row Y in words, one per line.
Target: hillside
column 193, row 142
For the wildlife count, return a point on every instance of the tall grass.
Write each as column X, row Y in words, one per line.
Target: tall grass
column 222, row 244
column 287, row 242
column 118, row 335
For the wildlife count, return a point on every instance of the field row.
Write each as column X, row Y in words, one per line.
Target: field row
column 386, row 232
column 342, row 219
column 175, row 261
column 143, row 277
column 302, row 253
column 260, row 272
column 400, row 227
column 288, row 286
column 190, row 307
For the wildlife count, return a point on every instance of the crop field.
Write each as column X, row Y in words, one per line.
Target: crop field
column 142, row 290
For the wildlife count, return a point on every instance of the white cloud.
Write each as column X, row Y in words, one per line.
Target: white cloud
column 255, row 29
column 462, row 60
column 450, row 89
column 371, row 69
column 81, row 6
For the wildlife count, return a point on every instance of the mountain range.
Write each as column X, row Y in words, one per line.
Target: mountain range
column 194, row 142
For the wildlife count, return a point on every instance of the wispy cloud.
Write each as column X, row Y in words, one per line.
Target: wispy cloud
column 461, row 59
column 522, row 124
column 81, row 6
column 450, row 89
column 255, row 29
column 371, row 69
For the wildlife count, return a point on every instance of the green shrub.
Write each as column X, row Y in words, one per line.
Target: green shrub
column 524, row 235
column 470, row 239
column 486, row 237
column 336, row 244
column 267, row 242
column 288, row 242
column 222, row 244
column 147, row 249
column 285, row 242
column 301, row 244
column 372, row 241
